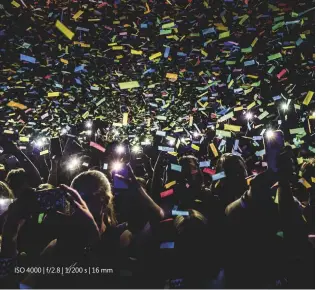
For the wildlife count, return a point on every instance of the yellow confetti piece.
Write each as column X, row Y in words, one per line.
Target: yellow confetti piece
column 44, row 152
column 65, row 61
column 300, row 160
column 148, row 9
column 137, row 52
column 78, row 14
column 168, row 185
column 251, row 105
column 190, row 121
column 204, row 52
column 214, row 150
column 230, row 83
column 8, row 132
column 155, row 55
column 119, row 47
column 305, row 183
column 195, row 147
column 128, row 85
column 85, row 115
column 254, row 42
column 125, row 119
column 313, row 179
column 16, row 105
column 171, row 76
column 308, row 98
column 53, row 94
column 63, row 29
column 232, row 128
column 24, row 139
column 16, row 4
column 238, row 108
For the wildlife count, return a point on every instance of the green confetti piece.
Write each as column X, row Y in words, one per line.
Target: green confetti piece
column 224, row 34
column 275, row 56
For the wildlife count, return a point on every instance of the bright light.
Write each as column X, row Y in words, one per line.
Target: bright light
column 89, row 132
column 136, row 149
column 40, row 142
column 115, row 132
column 249, row 116
column 117, row 166
column 182, row 140
column 147, row 141
column 284, row 107
column 314, row 113
column 171, row 142
column 195, row 134
column 2, row 201
column 89, row 124
column 120, row 149
column 269, row 134
column 73, row 163
column 63, row 131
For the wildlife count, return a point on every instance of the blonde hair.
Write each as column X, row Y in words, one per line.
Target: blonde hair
column 5, row 190
column 94, row 182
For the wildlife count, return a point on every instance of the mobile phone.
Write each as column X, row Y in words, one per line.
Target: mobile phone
column 55, row 147
column 51, row 200
column 118, row 183
column 273, row 144
column 167, row 245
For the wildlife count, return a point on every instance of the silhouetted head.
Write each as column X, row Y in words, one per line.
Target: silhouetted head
column 191, row 172
column 234, row 184
column 17, row 181
column 95, row 189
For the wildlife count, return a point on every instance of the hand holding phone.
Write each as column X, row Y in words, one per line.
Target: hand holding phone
column 120, row 177
column 273, row 144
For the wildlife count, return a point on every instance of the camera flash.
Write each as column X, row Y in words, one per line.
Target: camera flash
column 120, row 149
column 117, row 166
column 136, row 149
column 73, row 163
column 249, row 116
column 269, row 134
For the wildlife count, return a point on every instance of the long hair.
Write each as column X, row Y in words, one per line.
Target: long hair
column 5, row 191
column 234, row 184
column 94, row 182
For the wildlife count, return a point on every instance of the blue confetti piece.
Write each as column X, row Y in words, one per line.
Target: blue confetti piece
column 167, row 51
column 79, row 68
column 143, row 25
column 249, row 62
column 208, row 30
column 27, row 58
column 181, row 54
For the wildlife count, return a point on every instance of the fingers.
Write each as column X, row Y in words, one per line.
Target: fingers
column 73, row 194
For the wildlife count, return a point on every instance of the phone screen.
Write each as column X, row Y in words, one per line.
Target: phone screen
column 52, row 199
column 55, row 147
column 118, row 183
column 273, row 144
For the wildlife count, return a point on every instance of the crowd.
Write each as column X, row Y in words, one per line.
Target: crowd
column 159, row 221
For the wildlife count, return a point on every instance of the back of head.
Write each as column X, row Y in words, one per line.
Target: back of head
column 234, row 184
column 95, row 189
column 5, row 191
column 191, row 171
column 17, row 180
